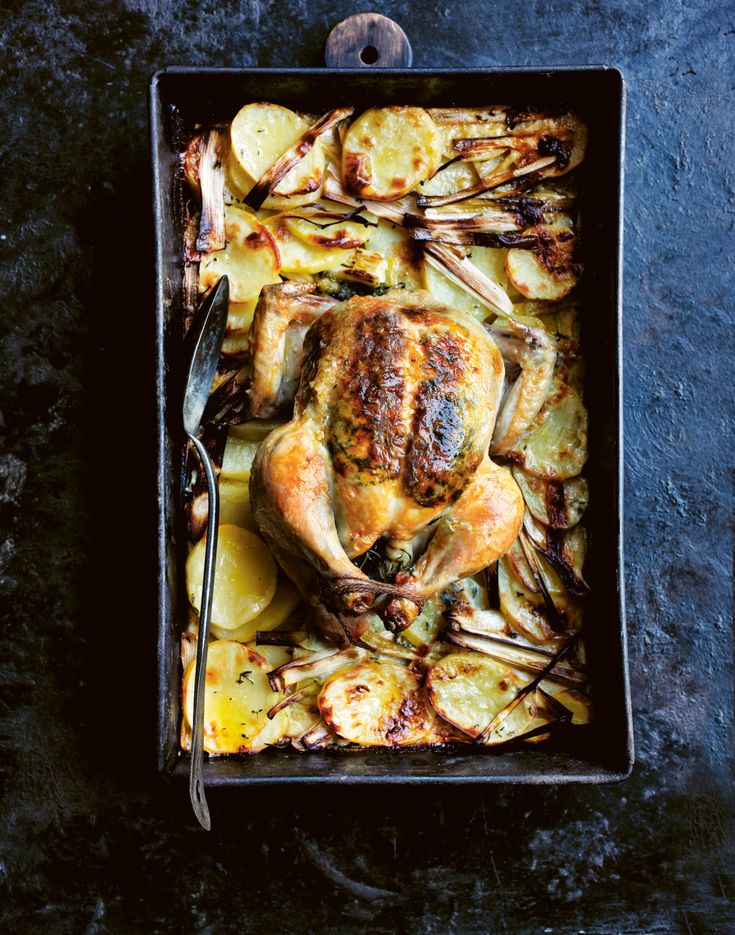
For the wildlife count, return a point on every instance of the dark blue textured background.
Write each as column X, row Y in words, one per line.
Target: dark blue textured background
column 91, row 842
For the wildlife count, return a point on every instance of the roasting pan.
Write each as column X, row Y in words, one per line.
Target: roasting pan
column 183, row 97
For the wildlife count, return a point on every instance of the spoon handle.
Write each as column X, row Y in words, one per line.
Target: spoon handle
column 196, row 781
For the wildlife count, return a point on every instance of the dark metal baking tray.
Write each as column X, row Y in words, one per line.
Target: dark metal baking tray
column 183, row 97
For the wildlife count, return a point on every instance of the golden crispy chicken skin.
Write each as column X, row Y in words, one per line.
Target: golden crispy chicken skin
column 392, row 425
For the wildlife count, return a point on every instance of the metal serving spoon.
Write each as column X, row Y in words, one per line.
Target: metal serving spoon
column 202, row 370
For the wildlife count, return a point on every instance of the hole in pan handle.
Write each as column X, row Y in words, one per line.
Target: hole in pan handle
column 367, row 40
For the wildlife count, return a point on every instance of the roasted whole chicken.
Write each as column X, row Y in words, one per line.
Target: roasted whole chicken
column 399, row 404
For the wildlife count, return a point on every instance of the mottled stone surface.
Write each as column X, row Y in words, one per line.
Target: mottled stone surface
column 91, row 841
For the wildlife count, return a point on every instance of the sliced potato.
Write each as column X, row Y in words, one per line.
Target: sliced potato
column 469, row 690
column 562, row 321
column 387, row 151
column 546, row 271
column 378, row 704
column 298, row 256
column 238, row 458
column 234, row 508
column 365, row 267
column 402, row 255
column 239, row 320
column 566, row 550
column 259, row 135
column 527, row 613
column 237, row 342
column 245, row 577
column 250, row 258
column 445, row 290
column 284, row 603
column 345, row 235
column 234, row 504
column 556, row 503
column 518, row 562
column 487, row 260
column 237, row 697
column 427, row 626
column 491, row 262
column 580, row 705
column 555, row 445
column 452, row 178
column 255, row 430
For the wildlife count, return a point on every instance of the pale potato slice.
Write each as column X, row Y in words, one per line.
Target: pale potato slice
column 238, row 458
column 469, row 690
column 259, row 135
column 234, row 504
column 545, row 272
column 378, row 704
column 245, row 577
column 250, row 259
column 284, row 603
column 565, row 549
column 255, row 430
column 344, row 235
column 527, row 613
column 234, row 508
column 453, row 178
column 298, row 256
column 402, row 255
column 555, row 503
column 445, row 290
column 555, row 445
column 518, row 562
column 562, row 321
column 239, row 320
column 580, row 705
column 237, row 697
column 427, row 626
column 236, row 342
column 387, row 151
column 491, row 262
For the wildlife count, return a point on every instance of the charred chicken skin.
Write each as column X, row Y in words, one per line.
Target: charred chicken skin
column 392, row 428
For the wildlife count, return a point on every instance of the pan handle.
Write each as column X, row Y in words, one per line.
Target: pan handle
column 367, row 40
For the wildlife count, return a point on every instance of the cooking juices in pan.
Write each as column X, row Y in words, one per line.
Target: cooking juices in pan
column 399, row 427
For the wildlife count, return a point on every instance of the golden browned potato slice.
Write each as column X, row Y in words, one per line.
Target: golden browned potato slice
column 469, row 690
column 527, row 613
column 378, row 704
column 388, row 150
column 546, row 271
column 344, row 235
column 245, row 577
column 250, row 258
column 259, row 135
column 555, row 503
column 555, row 445
column 237, row 697
column 284, row 603
column 299, row 256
